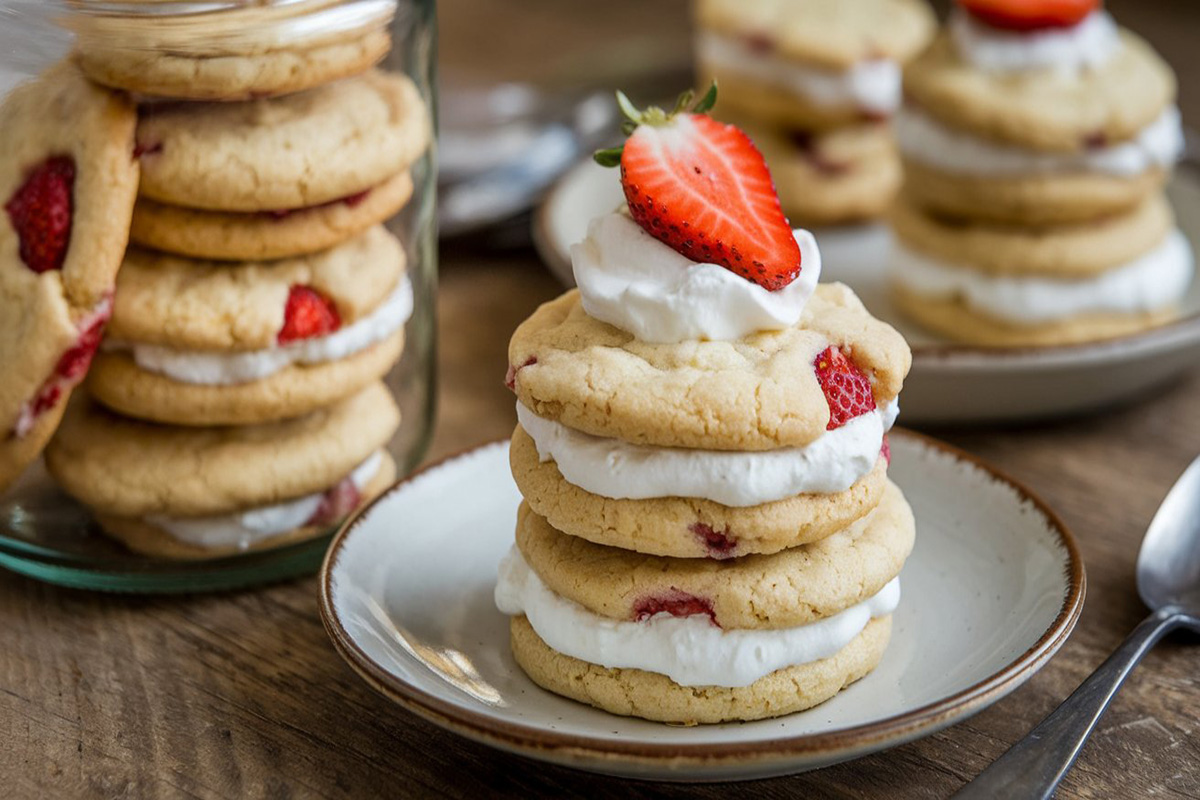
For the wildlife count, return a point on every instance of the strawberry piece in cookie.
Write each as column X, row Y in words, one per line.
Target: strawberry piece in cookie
column 1029, row 15
column 847, row 389
column 40, row 212
column 702, row 188
column 337, row 504
column 676, row 604
column 68, row 181
column 308, row 314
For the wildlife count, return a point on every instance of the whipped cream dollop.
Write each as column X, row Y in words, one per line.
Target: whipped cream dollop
column 925, row 140
column 691, row 651
column 245, row 528
column 228, row 368
column 624, row 471
column 633, row 281
column 1089, row 44
column 872, row 85
column 1151, row 282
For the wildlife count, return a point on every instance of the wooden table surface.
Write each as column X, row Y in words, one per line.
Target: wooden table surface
column 242, row 695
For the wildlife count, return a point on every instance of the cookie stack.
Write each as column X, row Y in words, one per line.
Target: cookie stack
column 814, row 83
column 238, row 392
column 708, row 532
column 1036, row 140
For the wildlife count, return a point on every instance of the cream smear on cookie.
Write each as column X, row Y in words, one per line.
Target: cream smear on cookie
column 623, row 471
column 228, row 368
column 1151, row 282
column 691, row 650
column 925, row 140
column 631, row 280
column 872, row 85
column 1086, row 45
column 245, row 528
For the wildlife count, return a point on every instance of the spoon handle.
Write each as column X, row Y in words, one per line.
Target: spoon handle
column 1033, row 767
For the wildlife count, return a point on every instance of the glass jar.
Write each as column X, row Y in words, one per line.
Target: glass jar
column 210, row 56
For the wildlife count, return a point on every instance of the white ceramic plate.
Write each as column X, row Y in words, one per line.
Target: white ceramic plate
column 949, row 383
column 993, row 589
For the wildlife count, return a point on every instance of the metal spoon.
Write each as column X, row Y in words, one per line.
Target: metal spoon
column 1168, row 580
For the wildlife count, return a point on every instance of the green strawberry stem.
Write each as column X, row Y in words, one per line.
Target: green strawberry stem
column 653, row 115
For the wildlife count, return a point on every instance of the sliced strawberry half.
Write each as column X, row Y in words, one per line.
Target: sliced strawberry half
column 40, row 212
column 702, row 188
column 308, row 313
column 1029, row 15
column 847, row 388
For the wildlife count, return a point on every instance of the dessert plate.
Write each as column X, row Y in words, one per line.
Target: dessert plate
column 949, row 383
column 991, row 592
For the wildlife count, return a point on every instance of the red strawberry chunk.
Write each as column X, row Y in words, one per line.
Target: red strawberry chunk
column 40, row 212
column 308, row 313
column 337, row 504
column 510, row 378
column 886, row 450
column 675, row 603
column 702, row 188
column 1030, row 15
column 719, row 544
column 71, row 368
column 847, row 389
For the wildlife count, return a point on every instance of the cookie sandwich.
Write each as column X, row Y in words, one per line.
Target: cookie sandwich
column 698, row 421
column 1036, row 140
column 278, row 177
column 814, row 83
column 194, row 493
column 222, row 343
column 68, row 180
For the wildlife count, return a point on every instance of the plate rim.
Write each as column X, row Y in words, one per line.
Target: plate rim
column 538, row 742
column 949, row 356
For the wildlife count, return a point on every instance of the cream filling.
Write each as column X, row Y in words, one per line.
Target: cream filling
column 691, row 651
column 872, row 85
column 227, row 368
column 1087, row 45
column 925, row 140
column 620, row 470
column 631, row 280
column 1151, row 282
column 243, row 529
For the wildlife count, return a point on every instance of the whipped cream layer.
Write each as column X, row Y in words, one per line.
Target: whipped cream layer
column 925, row 140
column 1087, row 45
column 1151, row 282
column 691, row 651
column 631, row 280
column 229, row 368
column 871, row 85
column 245, row 528
column 624, row 471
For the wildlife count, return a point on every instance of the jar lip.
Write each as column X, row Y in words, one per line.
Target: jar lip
column 186, row 8
column 221, row 27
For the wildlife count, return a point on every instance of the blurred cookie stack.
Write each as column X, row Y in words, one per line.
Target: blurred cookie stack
column 814, row 83
column 1036, row 140
column 239, row 390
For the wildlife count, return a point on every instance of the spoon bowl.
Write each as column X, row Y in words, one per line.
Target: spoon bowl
column 1168, row 567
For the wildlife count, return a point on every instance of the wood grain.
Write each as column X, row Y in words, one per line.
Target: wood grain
column 241, row 695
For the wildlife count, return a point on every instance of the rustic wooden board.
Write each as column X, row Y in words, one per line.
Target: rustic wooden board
column 241, row 695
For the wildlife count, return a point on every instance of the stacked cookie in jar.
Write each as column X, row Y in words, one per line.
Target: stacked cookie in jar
column 1036, row 140
column 237, row 397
